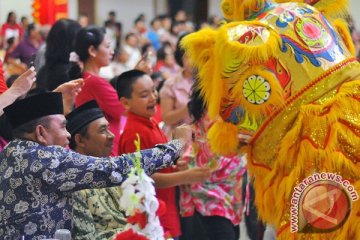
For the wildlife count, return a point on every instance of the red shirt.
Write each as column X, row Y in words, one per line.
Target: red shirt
column 106, row 97
column 159, row 64
column 157, row 117
column 150, row 135
column 3, row 86
column 8, row 30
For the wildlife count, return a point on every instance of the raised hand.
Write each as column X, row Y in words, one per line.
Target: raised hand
column 23, row 83
column 144, row 64
column 183, row 132
column 18, row 89
column 69, row 92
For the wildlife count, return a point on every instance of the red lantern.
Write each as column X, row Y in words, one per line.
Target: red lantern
column 48, row 11
column 36, row 10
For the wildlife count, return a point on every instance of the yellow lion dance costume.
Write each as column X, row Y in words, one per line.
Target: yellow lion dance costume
column 287, row 75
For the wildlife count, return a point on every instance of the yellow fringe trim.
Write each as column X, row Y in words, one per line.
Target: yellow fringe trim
column 199, row 46
column 332, row 9
column 343, row 30
column 324, row 138
column 223, row 138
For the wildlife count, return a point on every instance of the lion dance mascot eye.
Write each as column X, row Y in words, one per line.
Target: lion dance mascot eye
column 286, row 74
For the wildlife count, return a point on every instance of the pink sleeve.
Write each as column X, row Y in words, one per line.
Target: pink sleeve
column 166, row 91
column 107, row 98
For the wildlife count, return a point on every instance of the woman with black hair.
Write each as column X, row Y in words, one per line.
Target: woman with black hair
column 93, row 49
column 59, row 45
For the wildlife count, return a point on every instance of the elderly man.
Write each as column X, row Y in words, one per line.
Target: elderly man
column 96, row 212
column 38, row 174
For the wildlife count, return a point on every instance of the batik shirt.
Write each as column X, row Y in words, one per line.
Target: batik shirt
column 220, row 195
column 37, row 182
column 97, row 214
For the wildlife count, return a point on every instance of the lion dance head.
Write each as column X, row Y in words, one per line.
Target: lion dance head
column 284, row 73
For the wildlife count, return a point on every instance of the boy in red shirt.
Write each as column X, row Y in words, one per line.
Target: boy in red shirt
column 138, row 95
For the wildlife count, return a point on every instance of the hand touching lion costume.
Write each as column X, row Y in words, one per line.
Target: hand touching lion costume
column 286, row 74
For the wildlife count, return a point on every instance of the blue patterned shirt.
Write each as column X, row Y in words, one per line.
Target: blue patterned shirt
column 37, row 182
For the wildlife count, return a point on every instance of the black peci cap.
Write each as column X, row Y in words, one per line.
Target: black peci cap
column 31, row 108
column 82, row 116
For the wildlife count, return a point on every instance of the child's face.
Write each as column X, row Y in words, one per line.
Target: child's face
column 133, row 41
column 170, row 59
column 143, row 97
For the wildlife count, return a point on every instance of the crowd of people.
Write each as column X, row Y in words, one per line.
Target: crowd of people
column 113, row 88
column 64, row 155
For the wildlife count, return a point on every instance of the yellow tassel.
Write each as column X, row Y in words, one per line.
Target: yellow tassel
column 199, row 46
column 343, row 30
column 223, row 138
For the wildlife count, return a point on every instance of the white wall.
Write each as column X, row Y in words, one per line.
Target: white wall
column 126, row 11
column 161, row 7
column 355, row 12
column 73, row 9
column 214, row 8
column 20, row 7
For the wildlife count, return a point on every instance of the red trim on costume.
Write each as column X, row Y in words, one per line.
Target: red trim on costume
column 287, row 225
column 258, row 164
column 356, row 98
column 306, row 138
column 348, row 125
